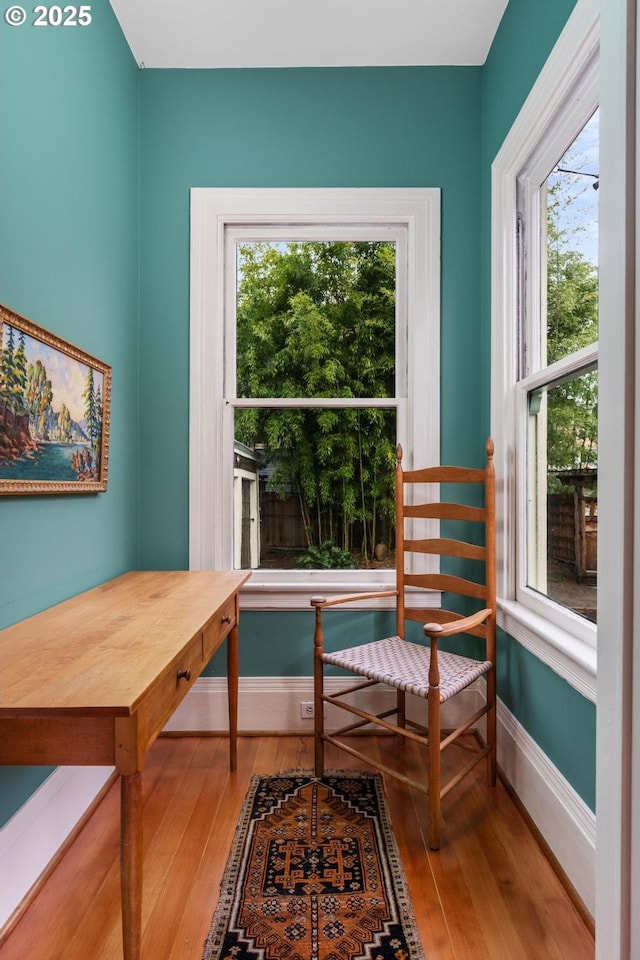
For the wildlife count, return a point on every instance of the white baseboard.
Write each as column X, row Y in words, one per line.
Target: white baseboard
column 272, row 704
column 33, row 836
column 562, row 817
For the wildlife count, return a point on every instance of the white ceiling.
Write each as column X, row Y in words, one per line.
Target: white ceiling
column 302, row 33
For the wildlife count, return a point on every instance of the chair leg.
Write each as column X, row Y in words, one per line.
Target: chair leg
column 433, row 799
column 401, row 716
column 318, row 705
column 491, row 728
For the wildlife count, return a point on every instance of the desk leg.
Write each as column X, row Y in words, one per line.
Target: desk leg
column 131, row 863
column 232, row 692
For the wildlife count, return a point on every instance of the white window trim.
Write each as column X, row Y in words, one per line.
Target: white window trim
column 214, row 211
column 569, row 71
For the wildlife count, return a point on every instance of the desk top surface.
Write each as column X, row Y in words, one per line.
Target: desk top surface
column 101, row 651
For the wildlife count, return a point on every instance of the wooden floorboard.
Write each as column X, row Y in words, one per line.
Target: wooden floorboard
column 487, row 894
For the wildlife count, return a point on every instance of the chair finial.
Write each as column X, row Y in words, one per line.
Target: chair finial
column 489, row 448
column 399, row 452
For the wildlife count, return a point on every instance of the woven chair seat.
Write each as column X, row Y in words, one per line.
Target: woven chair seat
column 405, row 665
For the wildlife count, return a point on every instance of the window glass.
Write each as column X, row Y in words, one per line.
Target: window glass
column 570, row 198
column 323, row 487
column 562, row 497
column 316, row 319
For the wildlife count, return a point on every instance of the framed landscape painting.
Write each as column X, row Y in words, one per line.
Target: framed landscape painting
column 54, row 412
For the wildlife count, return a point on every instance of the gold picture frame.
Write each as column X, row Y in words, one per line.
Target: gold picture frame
column 55, row 412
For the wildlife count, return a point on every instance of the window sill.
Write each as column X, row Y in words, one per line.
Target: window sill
column 292, row 590
column 571, row 658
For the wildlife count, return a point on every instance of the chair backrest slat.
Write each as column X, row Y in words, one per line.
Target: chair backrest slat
column 444, row 475
column 446, row 548
column 446, row 511
column 447, row 582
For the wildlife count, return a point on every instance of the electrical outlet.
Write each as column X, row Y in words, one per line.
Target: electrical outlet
column 306, row 709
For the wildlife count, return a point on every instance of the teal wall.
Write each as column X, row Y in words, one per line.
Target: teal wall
column 558, row 718
column 404, row 127
column 281, row 644
column 69, row 262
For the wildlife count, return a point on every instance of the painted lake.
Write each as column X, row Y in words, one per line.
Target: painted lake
column 52, row 461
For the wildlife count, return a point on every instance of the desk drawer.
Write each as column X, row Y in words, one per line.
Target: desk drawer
column 218, row 629
column 170, row 689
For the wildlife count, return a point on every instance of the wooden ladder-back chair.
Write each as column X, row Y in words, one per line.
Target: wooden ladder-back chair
column 418, row 668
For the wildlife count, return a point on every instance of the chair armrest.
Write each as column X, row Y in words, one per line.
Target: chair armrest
column 437, row 630
column 345, row 598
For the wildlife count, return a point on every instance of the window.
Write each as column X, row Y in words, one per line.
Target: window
column 557, row 378
column 288, row 396
column 545, row 358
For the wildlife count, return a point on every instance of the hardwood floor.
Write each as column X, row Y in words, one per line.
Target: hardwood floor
column 487, row 894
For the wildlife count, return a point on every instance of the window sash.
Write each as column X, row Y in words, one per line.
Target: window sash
column 537, row 602
column 292, row 233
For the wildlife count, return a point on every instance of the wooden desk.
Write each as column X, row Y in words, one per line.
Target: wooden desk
column 94, row 680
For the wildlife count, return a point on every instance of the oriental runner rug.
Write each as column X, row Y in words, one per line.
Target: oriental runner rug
column 314, row 874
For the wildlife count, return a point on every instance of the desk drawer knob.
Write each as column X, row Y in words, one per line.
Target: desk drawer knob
column 184, row 675
column 226, row 619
